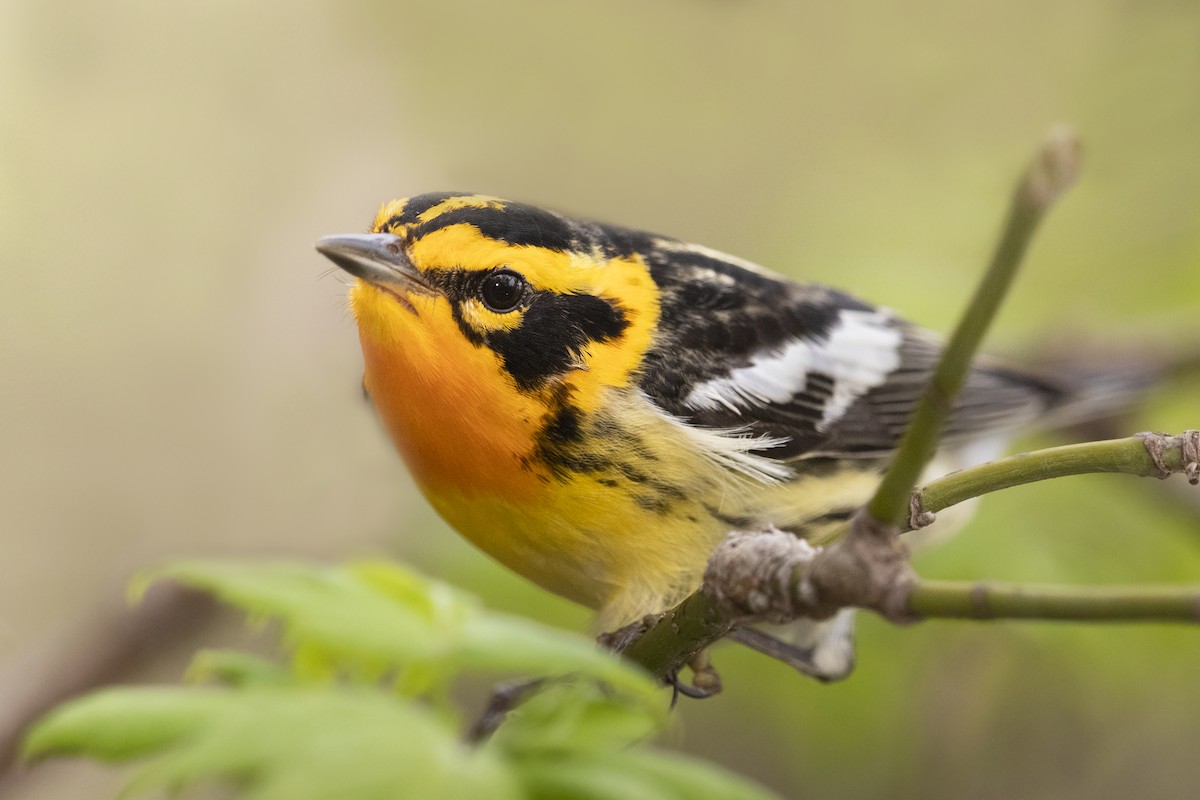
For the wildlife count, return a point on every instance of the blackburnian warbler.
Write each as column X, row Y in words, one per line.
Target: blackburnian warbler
column 597, row 407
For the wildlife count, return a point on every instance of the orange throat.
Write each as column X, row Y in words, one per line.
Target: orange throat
column 444, row 402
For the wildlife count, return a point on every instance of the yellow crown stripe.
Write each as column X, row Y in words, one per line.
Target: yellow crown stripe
column 463, row 201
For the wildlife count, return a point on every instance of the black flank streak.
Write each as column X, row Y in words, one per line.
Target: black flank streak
column 734, row 523
column 840, row 515
column 557, row 444
column 561, row 446
column 632, row 473
column 652, row 503
column 670, row 490
column 664, row 497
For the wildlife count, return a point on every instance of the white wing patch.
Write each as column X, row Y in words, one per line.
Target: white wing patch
column 861, row 350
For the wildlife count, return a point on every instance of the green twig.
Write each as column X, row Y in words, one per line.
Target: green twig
column 1051, row 174
column 986, row 600
column 1129, row 456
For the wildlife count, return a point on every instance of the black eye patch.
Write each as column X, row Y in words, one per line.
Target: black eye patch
column 553, row 333
column 554, row 328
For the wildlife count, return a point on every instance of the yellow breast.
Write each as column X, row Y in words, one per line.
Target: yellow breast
column 467, row 438
column 611, row 544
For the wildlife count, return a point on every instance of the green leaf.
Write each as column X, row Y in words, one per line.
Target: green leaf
column 328, row 727
column 501, row 642
column 574, row 716
column 277, row 743
column 633, row 776
column 232, row 668
column 690, row 778
column 585, row 780
column 333, row 613
column 370, row 619
column 122, row 724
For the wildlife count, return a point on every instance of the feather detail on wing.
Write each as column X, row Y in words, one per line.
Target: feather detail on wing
column 735, row 449
column 993, row 400
column 817, row 372
column 825, row 375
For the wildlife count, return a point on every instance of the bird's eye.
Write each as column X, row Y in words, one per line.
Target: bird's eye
column 503, row 290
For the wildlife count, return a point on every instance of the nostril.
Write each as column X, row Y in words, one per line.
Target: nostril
column 393, row 248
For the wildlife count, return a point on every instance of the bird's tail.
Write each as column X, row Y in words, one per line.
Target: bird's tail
column 1097, row 383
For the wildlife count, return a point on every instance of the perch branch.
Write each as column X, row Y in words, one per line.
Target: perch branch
column 987, row 600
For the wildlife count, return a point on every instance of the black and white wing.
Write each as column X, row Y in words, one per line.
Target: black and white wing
column 741, row 348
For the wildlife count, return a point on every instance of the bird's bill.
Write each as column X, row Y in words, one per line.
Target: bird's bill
column 377, row 258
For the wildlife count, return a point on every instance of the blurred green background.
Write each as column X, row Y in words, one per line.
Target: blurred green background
column 178, row 374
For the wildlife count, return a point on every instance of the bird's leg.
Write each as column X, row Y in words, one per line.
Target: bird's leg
column 505, row 697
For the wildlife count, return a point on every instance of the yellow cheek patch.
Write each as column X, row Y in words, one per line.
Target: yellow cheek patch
column 626, row 283
column 613, row 363
column 483, row 320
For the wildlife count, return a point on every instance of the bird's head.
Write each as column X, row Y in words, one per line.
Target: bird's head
column 543, row 295
column 496, row 315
